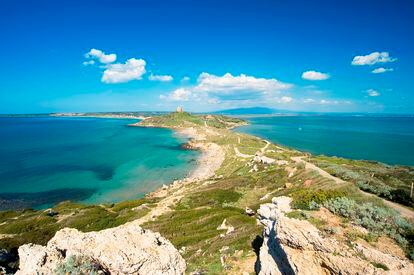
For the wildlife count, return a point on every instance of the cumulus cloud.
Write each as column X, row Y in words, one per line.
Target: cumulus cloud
column 180, row 94
column 372, row 92
column 101, row 56
column 314, row 75
column 213, row 88
column 382, row 70
column 132, row 69
column 229, row 83
column 373, row 58
column 185, row 79
column 162, row 78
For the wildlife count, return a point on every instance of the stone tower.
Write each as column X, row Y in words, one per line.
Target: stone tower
column 179, row 109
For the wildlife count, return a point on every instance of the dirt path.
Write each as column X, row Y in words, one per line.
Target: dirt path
column 263, row 149
column 404, row 212
column 311, row 166
column 241, row 155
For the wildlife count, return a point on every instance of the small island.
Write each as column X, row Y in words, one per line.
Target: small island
column 249, row 206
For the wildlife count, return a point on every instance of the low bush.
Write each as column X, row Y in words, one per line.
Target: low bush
column 385, row 191
column 297, row 214
column 376, row 219
column 380, row 265
column 311, row 199
column 80, row 265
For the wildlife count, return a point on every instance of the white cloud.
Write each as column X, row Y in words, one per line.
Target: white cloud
column 382, row 70
column 180, row 94
column 373, row 58
column 313, row 75
column 309, row 100
column 185, row 79
column 89, row 62
column 132, row 69
column 372, row 92
column 229, row 83
column 101, row 56
column 229, row 88
column 326, row 102
column 162, row 78
column 286, row 99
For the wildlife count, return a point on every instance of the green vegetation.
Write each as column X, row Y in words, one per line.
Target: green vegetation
column 311, row 199
column 80, row 265
column 390, row 182
column 376, row 219
column 37, row 227
column 194, row 223
column 184, row 119
column 380, row 265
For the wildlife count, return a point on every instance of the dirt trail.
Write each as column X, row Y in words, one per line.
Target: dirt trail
column 311, row 166
column 241, row 155
column 404, row 212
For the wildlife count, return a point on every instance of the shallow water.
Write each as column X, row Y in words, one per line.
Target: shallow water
column 385, row 139
column 93, row 160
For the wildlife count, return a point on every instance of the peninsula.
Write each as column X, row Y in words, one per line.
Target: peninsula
column 250, row 206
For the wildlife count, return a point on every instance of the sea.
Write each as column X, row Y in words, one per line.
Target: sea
column 387, row 139
column 46, row 160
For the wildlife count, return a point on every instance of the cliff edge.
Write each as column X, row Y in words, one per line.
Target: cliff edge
column 293, row 246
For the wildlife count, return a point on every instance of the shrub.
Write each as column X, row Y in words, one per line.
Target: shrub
column 376, row 219
column 297, row 214
column 310, row 199
column 401, row 196
column 380, row 265
column 77, row 265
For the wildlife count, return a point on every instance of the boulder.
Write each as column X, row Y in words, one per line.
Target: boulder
column 263, row 159
column 127, row 249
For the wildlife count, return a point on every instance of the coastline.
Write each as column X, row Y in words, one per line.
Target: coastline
column 210, row 215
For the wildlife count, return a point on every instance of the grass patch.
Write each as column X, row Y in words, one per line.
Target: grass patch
column 380, row 265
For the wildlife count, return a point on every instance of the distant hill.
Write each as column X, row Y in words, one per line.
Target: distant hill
column 250, row 111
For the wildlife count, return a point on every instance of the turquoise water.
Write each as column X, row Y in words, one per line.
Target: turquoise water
column 385, row 139
column 47, row 160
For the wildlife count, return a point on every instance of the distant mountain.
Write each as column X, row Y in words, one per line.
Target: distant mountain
column 250, row 111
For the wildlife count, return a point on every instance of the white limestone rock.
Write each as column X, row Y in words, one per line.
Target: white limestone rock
column 127, row 249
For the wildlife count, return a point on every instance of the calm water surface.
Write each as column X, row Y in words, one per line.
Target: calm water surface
column 47, row 160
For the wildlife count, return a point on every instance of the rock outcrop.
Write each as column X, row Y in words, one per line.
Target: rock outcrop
column 127, row 249
column 293, row 246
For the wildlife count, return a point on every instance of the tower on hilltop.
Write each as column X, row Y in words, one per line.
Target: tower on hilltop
column 179, row 109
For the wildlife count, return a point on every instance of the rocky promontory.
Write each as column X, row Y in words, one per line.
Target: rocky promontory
column 127, row 249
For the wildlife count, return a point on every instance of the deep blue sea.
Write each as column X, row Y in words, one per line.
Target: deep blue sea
column 94, row 160
column 385, row 139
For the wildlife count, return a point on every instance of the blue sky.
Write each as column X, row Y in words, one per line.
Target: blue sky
column 334, row 56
